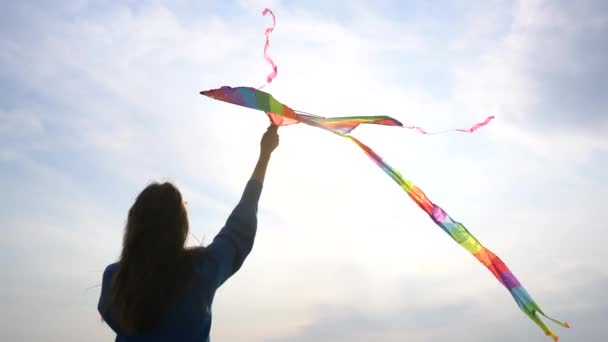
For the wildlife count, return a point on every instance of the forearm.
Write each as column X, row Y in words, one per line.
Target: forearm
column 235, row 239
column 259, row 173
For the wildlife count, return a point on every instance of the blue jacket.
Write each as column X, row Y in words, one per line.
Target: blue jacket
column 189, row 319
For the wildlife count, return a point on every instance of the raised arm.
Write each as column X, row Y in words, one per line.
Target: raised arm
column 270, row 141
column 235, row 240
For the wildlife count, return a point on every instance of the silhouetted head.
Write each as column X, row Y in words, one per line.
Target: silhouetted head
column 153, row 266
column 157, row 219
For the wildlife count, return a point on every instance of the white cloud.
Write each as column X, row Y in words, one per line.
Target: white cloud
column 113, row 103
column 521, row 78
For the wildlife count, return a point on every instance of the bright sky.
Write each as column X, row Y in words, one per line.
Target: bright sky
column 99, row 98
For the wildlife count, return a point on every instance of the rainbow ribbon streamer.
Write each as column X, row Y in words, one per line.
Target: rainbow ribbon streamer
column 459, row 233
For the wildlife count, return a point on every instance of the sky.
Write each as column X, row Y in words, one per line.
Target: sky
column 98, row 99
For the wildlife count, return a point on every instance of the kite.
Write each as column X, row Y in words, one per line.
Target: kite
column 281, row 115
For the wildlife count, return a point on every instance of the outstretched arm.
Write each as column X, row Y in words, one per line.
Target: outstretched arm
column 235, row 240
column 269, row 142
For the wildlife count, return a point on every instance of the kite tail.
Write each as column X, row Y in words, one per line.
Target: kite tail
column 267, row 33
column 542, row 325
column 459, row 233
column 465, row 130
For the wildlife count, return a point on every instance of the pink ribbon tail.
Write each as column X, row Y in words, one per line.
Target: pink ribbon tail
column 419, row 129
column 478, row 125
column 465, row 130
column 269, row 30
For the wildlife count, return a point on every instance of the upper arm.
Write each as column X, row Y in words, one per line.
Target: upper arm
column 221, row 253
column 235, row 240
column 232, row 245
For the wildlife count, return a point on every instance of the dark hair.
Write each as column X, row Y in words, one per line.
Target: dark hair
column 154, row 265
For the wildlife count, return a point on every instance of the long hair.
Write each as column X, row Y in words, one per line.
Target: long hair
column 154, row 265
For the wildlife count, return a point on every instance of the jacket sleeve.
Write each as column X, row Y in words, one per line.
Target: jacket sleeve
column 235, row 240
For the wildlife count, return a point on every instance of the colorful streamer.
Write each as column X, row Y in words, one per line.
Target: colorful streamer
column 459, row 233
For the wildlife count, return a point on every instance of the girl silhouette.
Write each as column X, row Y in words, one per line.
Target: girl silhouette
column 160, row 290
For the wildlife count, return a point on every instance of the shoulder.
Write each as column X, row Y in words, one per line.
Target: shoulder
column 196, row 253
column 195, row 256
column 111, row 268
column 109, row 272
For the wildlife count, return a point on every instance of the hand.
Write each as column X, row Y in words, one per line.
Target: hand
column 270, row 140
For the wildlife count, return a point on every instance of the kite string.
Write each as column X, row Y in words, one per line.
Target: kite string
column 267, row 57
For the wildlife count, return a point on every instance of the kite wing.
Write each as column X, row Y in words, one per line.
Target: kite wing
column 251, row 98
column 343, row 125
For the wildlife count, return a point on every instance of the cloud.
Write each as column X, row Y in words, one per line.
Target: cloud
column 343, row 324
column 542, row 79
column 100, row 99
column 414, row 318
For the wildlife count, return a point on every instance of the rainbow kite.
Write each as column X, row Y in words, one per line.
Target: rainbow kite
column 282, row 115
